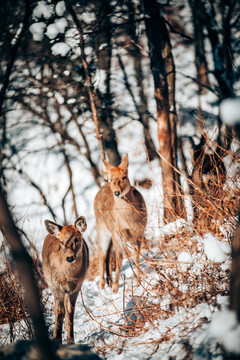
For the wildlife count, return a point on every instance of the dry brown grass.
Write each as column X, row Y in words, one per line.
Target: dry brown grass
column 12, row 308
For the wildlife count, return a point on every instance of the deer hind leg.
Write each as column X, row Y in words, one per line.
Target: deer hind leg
column 69, row 304
column 137, row 262
column 109, row 263
column 104, row 239
column 119, row 259
column 59, row 312
column 136, row 241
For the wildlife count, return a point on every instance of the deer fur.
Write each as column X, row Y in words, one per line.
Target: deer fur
column 65, row 262
column 121, row 215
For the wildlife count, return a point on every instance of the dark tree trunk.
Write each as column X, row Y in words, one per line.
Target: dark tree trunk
column 200, row 58
column 163, row 74
column 142, row 108
column 208, row 20
column 235, row 278
column 171, row 74
column 104, row 55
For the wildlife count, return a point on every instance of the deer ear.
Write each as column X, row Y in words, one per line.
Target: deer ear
column 52, row 228
column 81, row 224
column 124, row 163
column 108, row 166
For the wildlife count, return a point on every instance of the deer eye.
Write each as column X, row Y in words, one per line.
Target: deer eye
column 124, row 178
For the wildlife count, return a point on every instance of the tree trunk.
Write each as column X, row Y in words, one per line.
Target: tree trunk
column 103, row 87
column 158, row 43
column 235, row 278
column 200, row 58
column 142, row 109
column 91, row 93
column 171, row 74
column 25, row 273
column 208, row 20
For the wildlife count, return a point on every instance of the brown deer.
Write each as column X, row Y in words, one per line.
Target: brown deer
column 121, row 215
column 65, row 262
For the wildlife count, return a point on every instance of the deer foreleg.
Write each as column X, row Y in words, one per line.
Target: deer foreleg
column 59, row 312
column 69, row 304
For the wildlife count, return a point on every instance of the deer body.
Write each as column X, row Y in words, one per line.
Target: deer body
column 65, row 262
column 121, row 216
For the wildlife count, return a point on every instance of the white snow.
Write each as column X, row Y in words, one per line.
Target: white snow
column 52, row 31
column 105, row 313
column 60, row 8
column 57, row 27
column 185, row 257
column 60, row 48
column 175, row 227
column 230, row 111
column 37, row 30
column 226, row 329
column 102, row 46
column 99, row 80
column 42, row 10
column 212, row 248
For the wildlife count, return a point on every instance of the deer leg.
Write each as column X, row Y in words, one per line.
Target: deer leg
column 69, row 304
column 119, row 259
column 59, row 312
column 137, row 262
column 103, row 239
column 136, row 254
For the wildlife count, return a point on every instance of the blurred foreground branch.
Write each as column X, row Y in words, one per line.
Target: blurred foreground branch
column 25, row 273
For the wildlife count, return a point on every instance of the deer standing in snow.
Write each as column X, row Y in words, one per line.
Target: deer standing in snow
column 121, row 215
column 65, row 261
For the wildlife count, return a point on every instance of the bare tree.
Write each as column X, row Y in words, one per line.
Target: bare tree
column 163, row 74
column 103, row 49
column 199, row 46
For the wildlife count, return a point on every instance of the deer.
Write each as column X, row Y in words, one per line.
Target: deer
column 65, row 259
column 121, row 217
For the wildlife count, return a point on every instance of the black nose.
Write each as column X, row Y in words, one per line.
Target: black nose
column 70, row 259
column 117, row 193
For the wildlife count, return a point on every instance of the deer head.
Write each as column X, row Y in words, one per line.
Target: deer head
column 118, row 177
column 70, row 237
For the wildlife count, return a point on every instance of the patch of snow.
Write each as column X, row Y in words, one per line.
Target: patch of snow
column 230, row 111
column 57, row 27
column 102, row 46
column 52, row 31
column 99, row 80
column 42, row 10
column 212, row 248
column 60, row 8
column 59, row 97
column 185, row 257
column 226, row 329
column 175, row 227
column 37, row 30
column 60, row 48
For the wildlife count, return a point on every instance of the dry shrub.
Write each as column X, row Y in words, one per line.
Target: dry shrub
column 12, row 308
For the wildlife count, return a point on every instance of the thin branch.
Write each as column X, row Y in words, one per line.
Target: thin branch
column 13, row 55
column 91, row 93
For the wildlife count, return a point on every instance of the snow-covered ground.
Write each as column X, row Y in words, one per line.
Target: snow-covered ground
column 173, row 313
